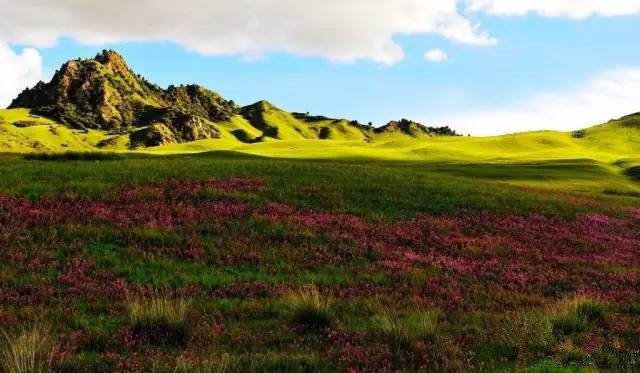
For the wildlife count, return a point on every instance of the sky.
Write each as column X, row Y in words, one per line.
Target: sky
column 483, row 67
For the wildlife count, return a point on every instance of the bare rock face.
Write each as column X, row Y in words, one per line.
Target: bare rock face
column 104, row 93
column 189, row 127
column 98, row 93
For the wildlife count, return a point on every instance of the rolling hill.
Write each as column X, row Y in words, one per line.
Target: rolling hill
column 101, row 103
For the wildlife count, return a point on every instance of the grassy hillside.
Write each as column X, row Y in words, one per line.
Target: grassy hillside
column 269, row 131
column 101, row 104
column 128, row 112
column 612, row 150
column 21, row 131
column 278, row 124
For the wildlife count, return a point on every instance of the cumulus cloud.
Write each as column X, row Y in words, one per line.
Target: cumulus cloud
column 17, row 72
column 436, row 55
column 339, row 30
column 610, row 95
column 557, row 8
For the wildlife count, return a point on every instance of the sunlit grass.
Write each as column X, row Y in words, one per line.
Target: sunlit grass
column 143, row 311
column 299, row 139
column 160, row 321
column 308, row 307
column 26, row 351
column 419, row 325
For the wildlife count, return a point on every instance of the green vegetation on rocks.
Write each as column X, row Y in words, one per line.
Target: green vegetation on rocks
column 103, row 94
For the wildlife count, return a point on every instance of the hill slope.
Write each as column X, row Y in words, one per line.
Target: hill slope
column 278, row 124
column 104, row 94
column 101, row 104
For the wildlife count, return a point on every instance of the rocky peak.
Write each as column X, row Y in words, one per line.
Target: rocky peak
column 108, row 57
column 104, row 93
column 113, row 61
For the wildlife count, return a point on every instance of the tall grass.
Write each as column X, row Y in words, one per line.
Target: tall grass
column 28, row 351
column 578, row 315
column 404, row 329
column 160, row 321
column 158, row 311
column 308, row 307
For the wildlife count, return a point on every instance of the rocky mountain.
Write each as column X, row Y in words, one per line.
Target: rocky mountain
column 103, row 93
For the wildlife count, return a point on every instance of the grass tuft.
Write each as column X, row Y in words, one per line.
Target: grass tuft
column 160, row 321
column 28, row 351
column 158, row 310
column 308, row 307
column 421, row 325
column 568, row 324
column 578, row 315
column 592, row 311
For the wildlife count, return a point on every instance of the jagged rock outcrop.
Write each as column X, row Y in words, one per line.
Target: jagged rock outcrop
column 104, row 93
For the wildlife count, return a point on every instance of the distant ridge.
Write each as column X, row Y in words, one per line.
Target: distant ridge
column 103, row 93
column 415, row 129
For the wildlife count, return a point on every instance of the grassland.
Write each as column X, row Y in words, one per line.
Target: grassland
column 280, row 134
column 263, row 264
column 507, row 253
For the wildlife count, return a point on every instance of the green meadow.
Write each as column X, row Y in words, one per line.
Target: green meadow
column 365, row 187
column 600, row 161
column 436, row 253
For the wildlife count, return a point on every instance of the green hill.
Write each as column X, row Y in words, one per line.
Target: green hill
column 22, row 131
column 127, row 112
column 278, row 124
column 621, row 136
column 101, row 104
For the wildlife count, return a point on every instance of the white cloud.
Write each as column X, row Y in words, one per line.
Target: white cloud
column 611, row 95
column 557, row 8
column 436, row 55
column 17, row 72
column 339, row 30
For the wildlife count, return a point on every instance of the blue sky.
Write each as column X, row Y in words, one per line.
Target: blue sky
column 542, row 72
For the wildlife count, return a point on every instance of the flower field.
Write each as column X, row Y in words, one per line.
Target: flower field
column 220, row 274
